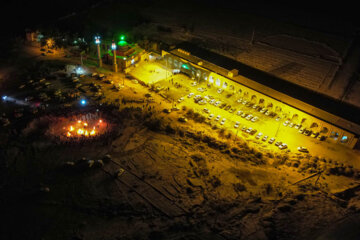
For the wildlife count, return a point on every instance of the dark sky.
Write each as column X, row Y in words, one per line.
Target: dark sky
column 18, row 14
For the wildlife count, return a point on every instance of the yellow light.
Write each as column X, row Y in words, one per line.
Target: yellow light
column 71, row 128
column 100, row 121
column 80, row 131
column 86, row 133
column 92, row 132
column 50, row 42
column 85, row 124
column 68, row 134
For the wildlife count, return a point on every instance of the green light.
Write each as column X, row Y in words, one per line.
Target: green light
column 122, row 43
column 122, row 37
column 185, row 66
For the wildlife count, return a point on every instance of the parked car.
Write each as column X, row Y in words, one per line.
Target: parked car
column 244, row 129
column 223, row 121
column 239, row 113
column 303, row 149
column 315, row 134
column 217, row 118
column 307, row 132
column 264, row 138
column 180, row 99
column 202, row 102
column 286, row 123
column 166, row 110
column 194, row 83
column 244, row 115
column 249, row 130
column 278, row 143
column 220, row 90
column 249, row 117
column 297, row 126
column 206, row 110
column 254, row 119
column 258, row 136
column 211, row 116
column 283, row 146
column 237, row 124
column 190, row 95
column 271, row 140
column 253, row 131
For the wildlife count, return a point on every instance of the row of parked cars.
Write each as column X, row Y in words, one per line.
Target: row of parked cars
column 303, row 130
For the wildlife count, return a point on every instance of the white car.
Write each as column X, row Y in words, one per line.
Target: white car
column 249, row 117
column 217, row 103
column 239, row 100
column 283, row 146
column 258, row 136
column 193, row 83
column 180, row 99
column 286, row 123
column 248, row 130
column 211, row 116
column 239, row 113
column 223, row 121
column 202, row 102
column 212, row 101
column 254, row 119
column 206, row 110
column 237, row 124
column 197, row 96
column 217, row 118
column 303, row 149
column 190, row 95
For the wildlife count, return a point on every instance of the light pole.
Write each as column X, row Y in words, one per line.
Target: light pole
column 113, row 47
column 97, row 42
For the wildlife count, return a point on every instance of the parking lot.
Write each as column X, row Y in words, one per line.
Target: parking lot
column 255, row 123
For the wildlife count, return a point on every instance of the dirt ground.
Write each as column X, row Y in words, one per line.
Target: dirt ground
column 161, row 179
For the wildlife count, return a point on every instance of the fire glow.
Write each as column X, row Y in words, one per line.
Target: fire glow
column 82, row 128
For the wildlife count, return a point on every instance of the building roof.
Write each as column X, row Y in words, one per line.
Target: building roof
column 221, row 65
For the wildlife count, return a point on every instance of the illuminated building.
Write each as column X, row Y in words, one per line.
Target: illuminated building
column 127, row 54
column 324, row 115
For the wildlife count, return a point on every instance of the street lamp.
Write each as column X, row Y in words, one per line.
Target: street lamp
column 113, row 47
column 97, row 42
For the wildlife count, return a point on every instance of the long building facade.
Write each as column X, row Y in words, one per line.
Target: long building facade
column 336, row 129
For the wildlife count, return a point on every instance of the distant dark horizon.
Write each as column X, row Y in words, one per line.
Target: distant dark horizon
column 19, row 14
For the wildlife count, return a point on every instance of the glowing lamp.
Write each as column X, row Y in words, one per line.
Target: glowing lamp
column 113, row 46
column 97, row 40
column 122, row 37
column 4, row 97
column 83, row 102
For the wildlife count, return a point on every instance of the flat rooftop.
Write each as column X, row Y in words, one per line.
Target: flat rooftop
column 221, row 65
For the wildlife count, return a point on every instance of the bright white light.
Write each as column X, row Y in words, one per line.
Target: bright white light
column 80, row 71
column 132, row 61
column 4, row 98
column 83, row 102
column 217, row 82
column 211, row 80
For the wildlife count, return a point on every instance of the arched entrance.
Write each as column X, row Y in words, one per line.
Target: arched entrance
column 253, row 99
